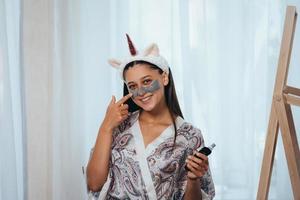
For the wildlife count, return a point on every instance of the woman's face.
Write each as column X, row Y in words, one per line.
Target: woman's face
column 147, row 86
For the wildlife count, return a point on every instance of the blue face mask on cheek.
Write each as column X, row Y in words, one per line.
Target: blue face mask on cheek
column 154, row 86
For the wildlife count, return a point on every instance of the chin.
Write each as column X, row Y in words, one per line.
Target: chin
column 147, row 108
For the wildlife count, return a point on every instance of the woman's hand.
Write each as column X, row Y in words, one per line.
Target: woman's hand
column 197, row 166
column 116, row 112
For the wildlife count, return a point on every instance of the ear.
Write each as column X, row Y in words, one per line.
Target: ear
column 152, row 50
column 115, row 63
column 165, row 78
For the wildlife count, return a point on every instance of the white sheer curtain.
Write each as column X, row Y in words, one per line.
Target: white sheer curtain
column 11, row 128
column 223, row 55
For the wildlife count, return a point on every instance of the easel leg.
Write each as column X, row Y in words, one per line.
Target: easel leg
column 268, row 158
column 290, row 142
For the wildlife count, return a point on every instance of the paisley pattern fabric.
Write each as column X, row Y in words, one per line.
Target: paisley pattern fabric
column 154, row 172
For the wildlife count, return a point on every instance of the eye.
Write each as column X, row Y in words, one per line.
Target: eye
column 132, row 87
column 147, row 81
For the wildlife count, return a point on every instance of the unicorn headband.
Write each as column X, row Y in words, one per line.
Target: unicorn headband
column 150, row 54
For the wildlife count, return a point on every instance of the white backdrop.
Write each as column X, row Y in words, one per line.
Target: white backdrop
column 223, row 55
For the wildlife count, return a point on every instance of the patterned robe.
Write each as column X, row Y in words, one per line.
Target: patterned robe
column 154, row 172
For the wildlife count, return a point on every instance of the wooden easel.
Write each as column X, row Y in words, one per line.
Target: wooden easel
column 281, row 116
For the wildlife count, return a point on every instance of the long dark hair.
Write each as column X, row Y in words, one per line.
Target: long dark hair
column 170, row 95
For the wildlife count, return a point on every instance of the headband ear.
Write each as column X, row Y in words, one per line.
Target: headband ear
column 152, row 50
column 115, row 63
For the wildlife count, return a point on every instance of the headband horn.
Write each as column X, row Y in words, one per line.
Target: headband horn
column 131, row 46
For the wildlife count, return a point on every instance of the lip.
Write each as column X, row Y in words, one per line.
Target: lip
column 145, row 99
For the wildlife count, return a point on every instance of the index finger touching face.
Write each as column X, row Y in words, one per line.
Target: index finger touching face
column 124, row 99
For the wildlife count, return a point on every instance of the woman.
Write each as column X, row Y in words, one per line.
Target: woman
column 143, row 143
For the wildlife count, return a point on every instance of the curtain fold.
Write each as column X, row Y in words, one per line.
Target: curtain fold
column 12, row 160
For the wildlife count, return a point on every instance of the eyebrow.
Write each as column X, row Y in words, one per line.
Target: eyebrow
column 140, row 78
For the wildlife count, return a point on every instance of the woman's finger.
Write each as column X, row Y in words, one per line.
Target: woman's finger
column 124, row 99
column 195, row 159
column 194, row 164
column 112, row 101
column 124, row 117
column 189, row 166
column 196, row 172
column 197, row 166
column 124, row 112
column 190, row 173
column 124, row 107
column 201, row 156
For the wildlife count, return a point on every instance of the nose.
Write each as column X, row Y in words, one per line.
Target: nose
column 141, row 92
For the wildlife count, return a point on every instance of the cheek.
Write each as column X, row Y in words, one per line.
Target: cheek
column 159, row 94
column 134, row 93
column 136, row 102
column 162, row 92
column 153, row 87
